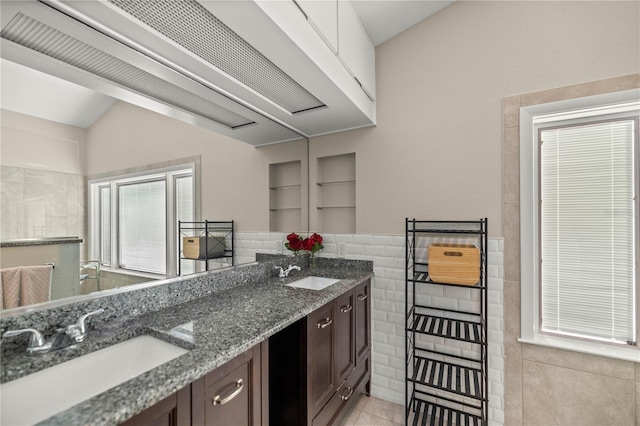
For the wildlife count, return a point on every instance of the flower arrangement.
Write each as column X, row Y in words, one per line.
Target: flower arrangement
column 311, row 244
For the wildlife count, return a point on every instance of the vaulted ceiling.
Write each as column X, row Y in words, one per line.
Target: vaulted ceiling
column 31, row 92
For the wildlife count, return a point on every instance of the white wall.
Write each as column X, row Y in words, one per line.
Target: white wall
column 235, row 175
column 33, row 143
column 436, row 151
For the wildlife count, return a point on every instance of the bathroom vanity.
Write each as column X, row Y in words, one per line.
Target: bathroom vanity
column 236, row 324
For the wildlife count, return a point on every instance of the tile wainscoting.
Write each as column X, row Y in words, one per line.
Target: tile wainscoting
column 387, row 252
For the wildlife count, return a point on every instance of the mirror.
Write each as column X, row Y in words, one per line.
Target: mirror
column 232, row 176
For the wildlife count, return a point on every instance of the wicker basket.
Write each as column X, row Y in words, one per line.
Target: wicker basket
column 454, row 264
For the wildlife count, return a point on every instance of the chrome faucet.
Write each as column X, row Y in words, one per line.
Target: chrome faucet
column 68, row 336
column 36, row 341
column 285, row 272
column 78, row 331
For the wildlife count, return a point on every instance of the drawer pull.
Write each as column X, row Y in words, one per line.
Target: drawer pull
column 362, row 297
column 325, row 323
column 349, row 390
column 346, row 308
column 236, row 388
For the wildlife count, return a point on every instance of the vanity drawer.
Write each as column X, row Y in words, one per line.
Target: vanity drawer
column 230, row 394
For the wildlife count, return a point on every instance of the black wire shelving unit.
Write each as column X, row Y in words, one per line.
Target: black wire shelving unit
column 446, row 349
column 218, row 238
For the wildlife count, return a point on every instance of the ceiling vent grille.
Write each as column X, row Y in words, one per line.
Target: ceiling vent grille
column 193, row 27
column 40, row 37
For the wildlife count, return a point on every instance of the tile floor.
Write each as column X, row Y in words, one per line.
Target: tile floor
column 370, row 411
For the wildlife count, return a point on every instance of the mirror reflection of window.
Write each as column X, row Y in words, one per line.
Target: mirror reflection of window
column 184, row 209
column 105, row 225
column 135, row 220
column 142, row 226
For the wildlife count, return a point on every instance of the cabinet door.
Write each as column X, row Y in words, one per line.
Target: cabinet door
column 323, row 17
column 174, row 410
column 344, row 335
column 231, row 394
column 355, row 50
column 321, row 368
column 362, row 320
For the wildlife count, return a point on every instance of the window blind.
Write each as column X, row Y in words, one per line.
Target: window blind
column 105, row 225
column 587, row 230
column 142, row 226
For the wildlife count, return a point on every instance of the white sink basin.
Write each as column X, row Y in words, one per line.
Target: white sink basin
column 40, row 395
column 313, row 283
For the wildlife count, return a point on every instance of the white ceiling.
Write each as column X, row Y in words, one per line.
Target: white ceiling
column 31, row 92
column 383, row 19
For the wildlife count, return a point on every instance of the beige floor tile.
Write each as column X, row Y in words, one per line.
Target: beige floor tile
column 352, row 415
column 385, row 409
column 371, row 411
column 367, row 419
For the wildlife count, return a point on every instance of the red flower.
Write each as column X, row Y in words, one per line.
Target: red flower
column 308, row 244
column 316, row 238
column 312, row 243
column 295, row 243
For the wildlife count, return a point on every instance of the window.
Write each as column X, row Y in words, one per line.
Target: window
column 134, row 219
column 579, row 225
column 586, row 230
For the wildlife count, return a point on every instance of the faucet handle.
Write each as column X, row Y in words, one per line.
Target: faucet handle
column 35, row 341
column 83, row 319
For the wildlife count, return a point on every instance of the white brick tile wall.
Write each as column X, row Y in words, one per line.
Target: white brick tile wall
column 387, row 316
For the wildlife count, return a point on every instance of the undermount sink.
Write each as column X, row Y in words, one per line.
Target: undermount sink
column 40, row 395
column 313, row 283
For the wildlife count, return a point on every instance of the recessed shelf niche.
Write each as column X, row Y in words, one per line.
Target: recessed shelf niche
column 285, row 196
column 336, row 194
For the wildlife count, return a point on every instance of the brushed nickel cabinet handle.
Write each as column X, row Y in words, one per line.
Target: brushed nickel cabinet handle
column 235, row 390
column 349, row 390
column 362, row 297
column 325, row 323
column 346, row 308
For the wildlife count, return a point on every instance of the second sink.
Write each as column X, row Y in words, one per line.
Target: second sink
column 313, row 283
column 40, row 395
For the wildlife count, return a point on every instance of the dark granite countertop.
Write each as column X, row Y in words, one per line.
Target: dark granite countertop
column 225, row 324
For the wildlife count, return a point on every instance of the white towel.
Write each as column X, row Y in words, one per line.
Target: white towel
column 35, row 284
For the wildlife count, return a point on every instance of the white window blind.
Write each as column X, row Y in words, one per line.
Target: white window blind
column 587, row 230
column 105, row 225
column 142, row 226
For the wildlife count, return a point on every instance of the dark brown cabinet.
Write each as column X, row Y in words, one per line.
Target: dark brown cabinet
column 232, row 394
column 321, row 340
column 362, row 319
column 317, row 364
column 175, row 410
column 306, row 374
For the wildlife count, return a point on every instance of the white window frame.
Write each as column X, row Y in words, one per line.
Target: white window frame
column 169, row 174
column 529, row 228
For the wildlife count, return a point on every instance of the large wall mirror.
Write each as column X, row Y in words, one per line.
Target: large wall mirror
column 48, row 167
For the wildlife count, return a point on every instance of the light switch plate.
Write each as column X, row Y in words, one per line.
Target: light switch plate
column 342, row 250
column 279, row 247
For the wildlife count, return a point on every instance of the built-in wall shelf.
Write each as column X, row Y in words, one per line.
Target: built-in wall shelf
column 285, row 196
column 336, row 194
column 338, row 182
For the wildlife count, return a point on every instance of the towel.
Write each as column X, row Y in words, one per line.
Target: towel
column 10, row 287
column 35, row 284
